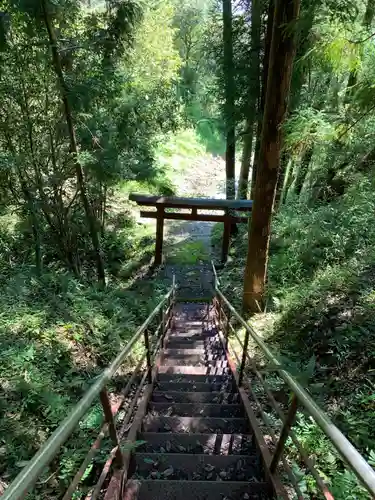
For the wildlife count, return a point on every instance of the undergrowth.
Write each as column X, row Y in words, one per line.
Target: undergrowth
column 56, row 335
column 320, row 307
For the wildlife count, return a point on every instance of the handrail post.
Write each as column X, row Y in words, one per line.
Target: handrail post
column 162, row 322
column 220, row 307
column 148, row 356
column 244, row 353
column 107, row 410
column 174, row 287
column 227, row 327
column 284, row 433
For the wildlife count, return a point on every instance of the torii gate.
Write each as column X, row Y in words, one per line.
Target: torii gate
column 194, row 204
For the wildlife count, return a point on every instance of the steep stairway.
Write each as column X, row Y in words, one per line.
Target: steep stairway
column 197, row 440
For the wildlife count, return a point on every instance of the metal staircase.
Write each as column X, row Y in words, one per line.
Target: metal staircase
column 198, row 442
column 192, row 421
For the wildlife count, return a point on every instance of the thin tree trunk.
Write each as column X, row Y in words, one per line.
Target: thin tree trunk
column 253, row 98
column 280, row 181
column 287, row 182
column 229, row 110
column 90, row 216
column 367, row 21
column 31, row 208
column 303, row 169
column 34, row 223
column 266, row 57
column 278, row 87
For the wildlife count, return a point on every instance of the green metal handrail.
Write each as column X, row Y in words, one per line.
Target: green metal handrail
column 29, row 474
column 364, row 472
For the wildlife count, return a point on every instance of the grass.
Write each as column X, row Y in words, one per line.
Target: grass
column 188, row 252
column 320, row 307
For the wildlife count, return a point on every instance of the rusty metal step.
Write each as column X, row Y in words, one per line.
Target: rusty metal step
column 192, row 325
column 195, row 397
column 188, row 337
column 202, row 351
column 209, row 347
column 193, row 370
column 193, row 357
column 193, row 337
column 180, row 466
column 190, row 386
column 196, row 378
column 196, row 410
column 211, row 444
column 196, row 490
column 195, row 362
column 201, row 425
column 186, row 343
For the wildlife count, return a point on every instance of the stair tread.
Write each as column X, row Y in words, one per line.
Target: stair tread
column 195, row 424
column 195, row 397
column 183, row 387
column 192, row 352
column 193, row 370
column 194, row 363
column 197, row 356
column 203, row 467
column 225, row 410
column 219, row 444
column 154, row 489
column 200, row 378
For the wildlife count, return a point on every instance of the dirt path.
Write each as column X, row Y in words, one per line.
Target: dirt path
column 206, row 179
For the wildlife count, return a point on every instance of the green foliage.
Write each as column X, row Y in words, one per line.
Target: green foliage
column 155, row 60
column 307, row 128
column 56, row 335
column 343, row 484
column 320, row 310
column 191, row 252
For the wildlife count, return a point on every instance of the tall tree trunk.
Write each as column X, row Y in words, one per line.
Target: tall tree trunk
column 90, row 216
column 229, row 107
column 253, row 98
column 282, row 54
column 266, row 57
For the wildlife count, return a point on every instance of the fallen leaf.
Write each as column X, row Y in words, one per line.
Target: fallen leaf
column 168, row 472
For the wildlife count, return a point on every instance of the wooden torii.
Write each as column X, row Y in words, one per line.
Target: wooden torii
column 229, row 207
